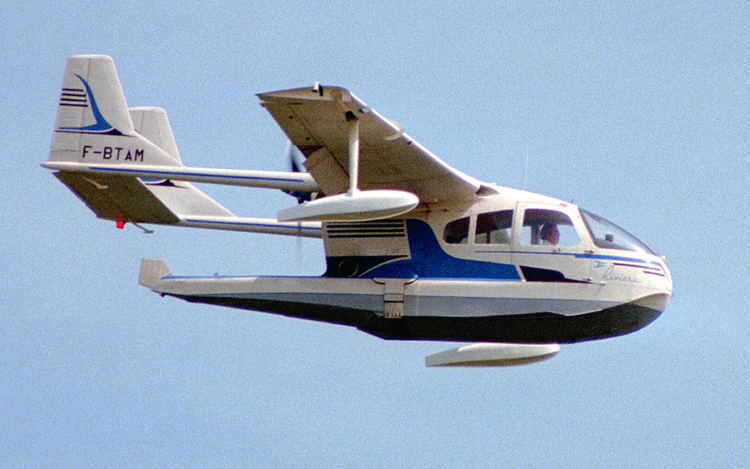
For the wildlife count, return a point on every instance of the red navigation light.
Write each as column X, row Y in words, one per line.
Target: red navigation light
column 121, row 224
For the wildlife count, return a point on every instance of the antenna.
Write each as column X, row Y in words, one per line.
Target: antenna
column 526, row 167
column 145, row 230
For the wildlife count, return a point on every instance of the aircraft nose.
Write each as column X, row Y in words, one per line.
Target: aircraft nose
column 668, row 277
column 663, row 287
column 660, row 288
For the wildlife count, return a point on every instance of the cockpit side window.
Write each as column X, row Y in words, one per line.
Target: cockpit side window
column 494, row 227
column 457, row 231
column 548, row 227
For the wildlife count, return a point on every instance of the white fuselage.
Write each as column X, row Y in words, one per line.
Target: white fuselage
column 479, row 272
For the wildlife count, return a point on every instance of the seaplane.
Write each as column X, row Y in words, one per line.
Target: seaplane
column 415, row 249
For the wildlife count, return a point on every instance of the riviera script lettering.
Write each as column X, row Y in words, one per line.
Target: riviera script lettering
column 612, row 276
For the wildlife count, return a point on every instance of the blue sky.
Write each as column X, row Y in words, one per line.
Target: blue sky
column 637, row 111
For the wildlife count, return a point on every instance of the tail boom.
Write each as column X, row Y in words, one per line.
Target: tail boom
column 286, row 181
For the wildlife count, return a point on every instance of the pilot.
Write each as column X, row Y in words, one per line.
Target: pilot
column 550, row 236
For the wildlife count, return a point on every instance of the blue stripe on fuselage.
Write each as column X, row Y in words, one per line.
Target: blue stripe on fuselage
column 429, row 260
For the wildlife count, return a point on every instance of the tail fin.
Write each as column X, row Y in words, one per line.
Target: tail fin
column 94, row 124
column 152, row 123
column 91, row 90
column 94, row 127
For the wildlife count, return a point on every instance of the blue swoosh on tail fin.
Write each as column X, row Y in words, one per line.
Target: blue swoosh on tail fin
column 101, row 126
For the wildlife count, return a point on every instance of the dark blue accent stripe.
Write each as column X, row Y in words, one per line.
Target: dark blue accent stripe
column 583, row 256
column 616, row 258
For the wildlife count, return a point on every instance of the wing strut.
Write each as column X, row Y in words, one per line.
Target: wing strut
column 353, row 124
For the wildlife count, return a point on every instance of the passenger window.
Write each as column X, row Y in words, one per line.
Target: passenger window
column 457, row 231
column 494, row 227
column 548, row 227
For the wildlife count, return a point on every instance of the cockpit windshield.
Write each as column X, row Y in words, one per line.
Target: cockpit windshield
column 607, row 235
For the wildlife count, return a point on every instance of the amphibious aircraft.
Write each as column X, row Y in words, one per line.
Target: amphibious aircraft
column 415, row 249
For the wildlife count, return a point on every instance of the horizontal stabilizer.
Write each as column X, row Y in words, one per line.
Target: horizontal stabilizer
column 118, row 198
column 129, row 199
column 486, row 354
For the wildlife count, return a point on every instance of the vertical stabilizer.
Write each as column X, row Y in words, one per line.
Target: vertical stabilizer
column 153, row 124
column 91, row 102
column 94, row 125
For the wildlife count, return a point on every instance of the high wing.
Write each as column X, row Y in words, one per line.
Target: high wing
column 314, row 119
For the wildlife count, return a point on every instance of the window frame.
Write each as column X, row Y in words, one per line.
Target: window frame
column 506, row 214
column 577, row 224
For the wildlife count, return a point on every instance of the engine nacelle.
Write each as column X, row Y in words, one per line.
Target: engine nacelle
column 353, row 206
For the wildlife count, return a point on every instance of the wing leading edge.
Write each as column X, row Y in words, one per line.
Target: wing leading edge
column 314, row 120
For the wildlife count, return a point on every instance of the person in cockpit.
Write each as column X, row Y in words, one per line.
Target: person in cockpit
column 549, row 234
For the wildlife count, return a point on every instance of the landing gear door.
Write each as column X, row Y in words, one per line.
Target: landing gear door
column 548, row 244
